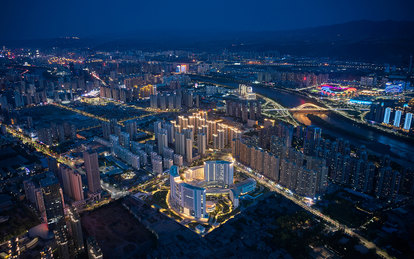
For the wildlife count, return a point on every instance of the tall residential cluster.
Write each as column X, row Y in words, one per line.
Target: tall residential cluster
column 306, row 171
column 194, row 130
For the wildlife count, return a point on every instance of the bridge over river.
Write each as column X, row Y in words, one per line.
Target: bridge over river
column 308, row 107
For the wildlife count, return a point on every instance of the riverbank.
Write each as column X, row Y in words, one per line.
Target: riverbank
column 378, row 142
column 283, row 97
column 366, row 126
column 378, row 150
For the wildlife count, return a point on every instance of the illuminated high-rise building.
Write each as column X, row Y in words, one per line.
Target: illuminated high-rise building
column 168, row 153
column 407, row 122
column 170, row 132
column 179, row 143
column 162, row 101
column 397, row 118
column 76, row 186
column 40, row 204
column 221, row 138
column 274, row 168
column 117, row 131
column 185, row 198
column 189, row 150
column 131, row 128
column 215, row 141
column 124, row 140
column 177, row 101
column 188, row 99
column 29, row 190
column 162, row 140
column 170, row 101
column 387, row 115
column 92, row 171
column 54, row 205
column 388, row 184
column 178, row 160
column 204, row 129
column 72, row 183
column 157, row 127
column 306, row 183
column 312, row 138
column 212, row 129
column 64, row 175
column 218, row 172
column 189, row 132
column 202, row 143
column 52, row 165
column 75, row 229
column 271, row 166
column 167, row 163
column 156, row 162
column 153, row 101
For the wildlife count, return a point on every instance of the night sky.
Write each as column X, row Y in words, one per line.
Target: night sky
column 30, row 19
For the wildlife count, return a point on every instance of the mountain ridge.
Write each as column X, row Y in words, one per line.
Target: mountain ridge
column 376, row 41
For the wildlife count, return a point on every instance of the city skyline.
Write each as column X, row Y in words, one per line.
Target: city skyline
column 235, row 129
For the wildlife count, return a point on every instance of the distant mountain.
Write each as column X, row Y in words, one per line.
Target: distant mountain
column 351, row 31
column 377, row 41
column 388, row 41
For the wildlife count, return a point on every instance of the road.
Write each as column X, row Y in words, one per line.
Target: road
column 360, row 120
column 389, row 129
column 262, row 180
column 80, row 112
column 282, row 113
column 42, row 148
column 121, row 123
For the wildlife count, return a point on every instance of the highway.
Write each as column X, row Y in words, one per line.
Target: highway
column 361, row 120
column 283, row 113
column 262, row 180
column 42, row 148
column 341, row 112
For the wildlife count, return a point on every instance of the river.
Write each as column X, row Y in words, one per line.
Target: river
column 376, row 142
column 401, row 151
